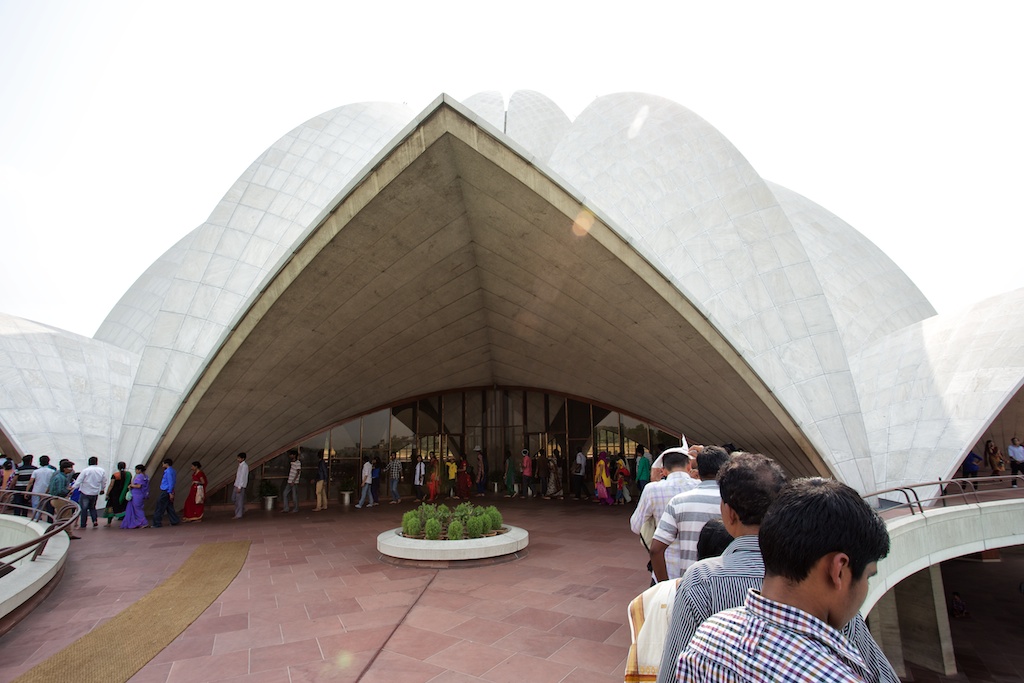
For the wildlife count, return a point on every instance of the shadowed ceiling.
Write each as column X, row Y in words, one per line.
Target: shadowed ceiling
column 456, row 263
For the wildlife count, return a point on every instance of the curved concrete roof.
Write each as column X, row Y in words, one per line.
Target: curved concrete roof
column 632, row 257
column 61, row 394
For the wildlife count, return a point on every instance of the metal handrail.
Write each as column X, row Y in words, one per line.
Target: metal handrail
column 969, row 489
column 58, row 523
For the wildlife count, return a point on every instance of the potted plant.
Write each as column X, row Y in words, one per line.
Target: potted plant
column 346, row 487
column 268, row 492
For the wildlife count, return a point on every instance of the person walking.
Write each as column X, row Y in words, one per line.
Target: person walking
column 366, row 481
column 323, row 473
column 60, row 485
column 38, row 485
column 241, row 481
column 291, row 486
column 394, row 476
column 165, row 503
column 418, row 473
column 90, row 484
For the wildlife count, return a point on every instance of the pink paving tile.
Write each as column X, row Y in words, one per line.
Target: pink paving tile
column 519, row 668
column 396, row 599
column 186, row 647
column 332, row 607
column 535, row 618
column 381, row 617
column 278, row 615
column 583, row 627
column 344, row 644
column 532, row 642
column 489, row 609
column 344, row 670
column 480, row 630
column 454, row 677
column 151, row 673
column 213, row 668
column 586, row 676
column 446, row 599
column 212, row 625
column 418, row 643
column 469, row 658
column 434, row 618
column 311, row 628
column 621, row 637
column 258, row 636
column 391, row 666
column 273, row 676
column 289, row 654
column 591, row 655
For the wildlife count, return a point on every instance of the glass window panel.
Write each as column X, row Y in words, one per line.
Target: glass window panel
column 474, row 408
column 634, row 433
column 536, row 420
column 452, row 406
column 345, row 440
column 556, row 414
column 375, row 429
column 663, row 440
column 514, row 409
column 403, row 440
column 429, row 417
column 406, row 414
column 606, row 434
column 580, row 426
column 453, row 445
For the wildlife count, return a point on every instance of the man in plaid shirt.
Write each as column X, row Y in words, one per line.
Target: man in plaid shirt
column 394, row 471
column 820, row 542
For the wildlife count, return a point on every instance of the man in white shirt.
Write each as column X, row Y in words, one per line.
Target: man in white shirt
column 674, row 547
column 39, row 483
column 579, row 467
column 418, row 472
column 366, row 481
column 291, row 486
column 1016, row 453
column 90, row 483
column 241, row 481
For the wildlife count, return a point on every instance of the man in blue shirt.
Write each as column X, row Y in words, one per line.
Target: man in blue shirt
column 166, row 501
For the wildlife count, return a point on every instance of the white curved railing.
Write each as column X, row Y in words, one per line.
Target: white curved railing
column 937, row 521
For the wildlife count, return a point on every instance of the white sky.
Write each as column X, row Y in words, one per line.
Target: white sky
column 123, row 123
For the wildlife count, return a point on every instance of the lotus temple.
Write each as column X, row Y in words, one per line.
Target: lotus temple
column 491, row 273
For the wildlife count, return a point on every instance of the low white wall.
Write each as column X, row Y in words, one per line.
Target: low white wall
column 28, row 577
column 919, row 541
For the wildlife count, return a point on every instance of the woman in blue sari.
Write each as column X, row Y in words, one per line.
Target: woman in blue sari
column 134, row 517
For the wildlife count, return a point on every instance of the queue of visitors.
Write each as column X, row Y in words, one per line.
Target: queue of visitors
column 754, row 577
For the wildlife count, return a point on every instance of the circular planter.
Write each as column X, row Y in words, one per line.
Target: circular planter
column 393, row 544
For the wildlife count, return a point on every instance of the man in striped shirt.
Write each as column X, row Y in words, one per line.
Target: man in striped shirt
column 820, row 543
column 674, row 547
column 656, row 496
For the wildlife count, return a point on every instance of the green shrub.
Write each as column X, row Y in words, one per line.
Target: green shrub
column 463, row 512
column 485, row 522
column 474, row 527
column 407, row 519
column 455, row 530
column 495, row 516
column 432, row 529
column 414, row 527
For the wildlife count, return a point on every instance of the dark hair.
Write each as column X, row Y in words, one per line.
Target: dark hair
column 121, row 465
column 713, row 539
column 710, row 460
column 243, row 456
column 94, row 460
column 748, row 483
column 197, row 465
column 140, row 468
column 168, row 461
column 813, row 517
column 44, row 460
column 674, row 459
column 8, row 464
column 27, row 460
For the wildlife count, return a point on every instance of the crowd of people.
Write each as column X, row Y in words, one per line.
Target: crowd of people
column 754, row 577
column 42, row 491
